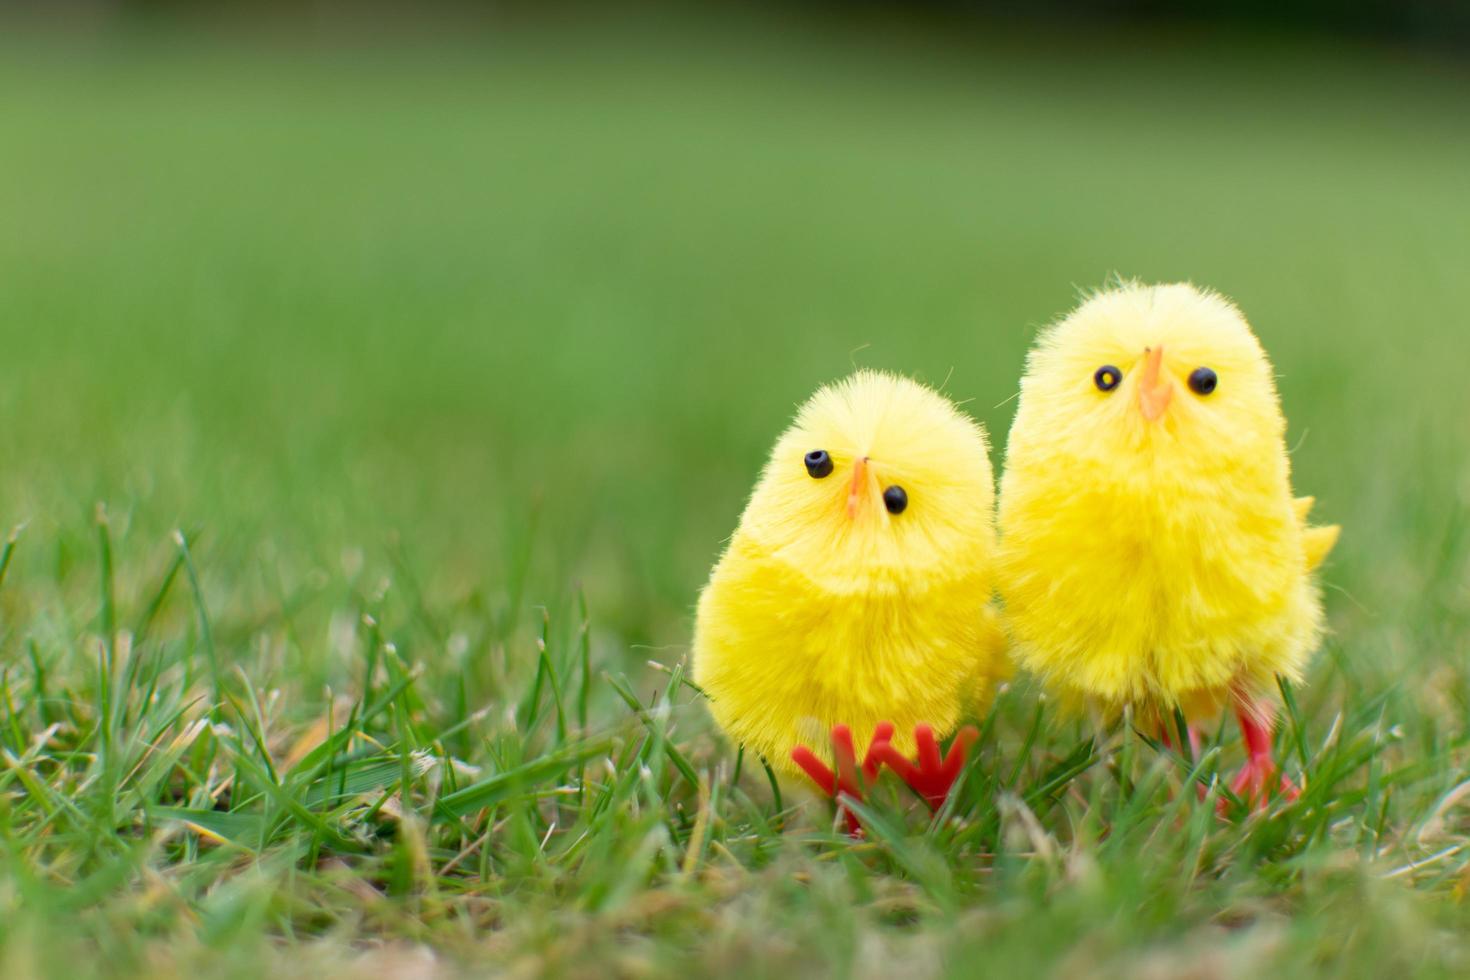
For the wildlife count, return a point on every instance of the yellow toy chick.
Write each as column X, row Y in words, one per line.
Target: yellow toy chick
column 1151, row 552
column 856, row 591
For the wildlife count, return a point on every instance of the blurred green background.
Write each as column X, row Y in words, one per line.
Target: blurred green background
column 537, row 299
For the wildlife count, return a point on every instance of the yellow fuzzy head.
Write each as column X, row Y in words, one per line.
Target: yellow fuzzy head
column 1154, row 377
column 878, row 483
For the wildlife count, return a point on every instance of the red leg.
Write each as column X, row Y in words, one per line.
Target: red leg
column 932, row 777
column 1259, row 778
column 815, row 769
column 871, row 763
column 845, row 779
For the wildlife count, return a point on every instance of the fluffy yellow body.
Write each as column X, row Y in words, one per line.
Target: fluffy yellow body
column 828, row 607
column 1151, row 551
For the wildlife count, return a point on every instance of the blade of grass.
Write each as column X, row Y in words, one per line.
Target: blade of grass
column 206, row 634
column 584, row 647
column 625, row 691
column 160, row 596
column 520, row 780
column 8, row 551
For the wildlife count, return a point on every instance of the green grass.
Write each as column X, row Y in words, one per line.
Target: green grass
column 370, row 421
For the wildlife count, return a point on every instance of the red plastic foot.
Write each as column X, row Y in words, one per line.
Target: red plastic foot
column 845, row 779
column 1260, row 778
column 932, row 778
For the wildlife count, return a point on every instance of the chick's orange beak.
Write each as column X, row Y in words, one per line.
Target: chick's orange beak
column 1154, row 389
column 859, row 479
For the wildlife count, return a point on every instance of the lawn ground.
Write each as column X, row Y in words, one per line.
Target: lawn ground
column 371, row 415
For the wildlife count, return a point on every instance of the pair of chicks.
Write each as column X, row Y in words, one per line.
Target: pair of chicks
column 1150, row 553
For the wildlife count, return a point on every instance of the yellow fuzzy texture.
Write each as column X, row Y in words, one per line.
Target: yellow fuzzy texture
column 1162, row 563
column 817, row 615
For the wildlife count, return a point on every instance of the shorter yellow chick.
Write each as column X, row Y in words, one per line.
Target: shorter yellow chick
column 855, row 594
column 1151, row 552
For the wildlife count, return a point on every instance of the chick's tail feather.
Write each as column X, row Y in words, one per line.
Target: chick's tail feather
column 1317, row 542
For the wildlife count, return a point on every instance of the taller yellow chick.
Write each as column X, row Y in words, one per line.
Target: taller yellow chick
column 1151, row 551
column 857, row 588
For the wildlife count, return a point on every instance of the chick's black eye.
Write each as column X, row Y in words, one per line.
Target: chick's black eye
column 818, row 463
column 1107, row 377
column 1202, row 381
column 895, row 499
